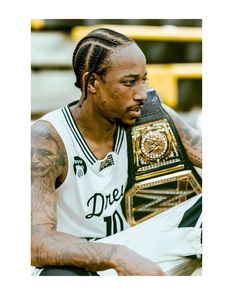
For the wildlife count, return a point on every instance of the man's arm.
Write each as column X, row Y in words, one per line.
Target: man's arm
column 191, row 138
column 50, row 247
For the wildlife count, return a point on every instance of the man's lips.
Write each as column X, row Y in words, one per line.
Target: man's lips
column 135, row 111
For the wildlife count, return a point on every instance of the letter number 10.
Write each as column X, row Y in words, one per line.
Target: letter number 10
column 112, row 223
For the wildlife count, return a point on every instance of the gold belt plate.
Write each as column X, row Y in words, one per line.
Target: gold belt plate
column 152, row 196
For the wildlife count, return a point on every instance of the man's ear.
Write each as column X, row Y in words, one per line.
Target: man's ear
column 92, row 83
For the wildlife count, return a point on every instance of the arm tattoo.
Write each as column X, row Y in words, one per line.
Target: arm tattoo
column 50, row 247
column 191, row 138
column 192, row 142
column 47, row 152
column 47, row 161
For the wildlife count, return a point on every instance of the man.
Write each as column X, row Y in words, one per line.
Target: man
column 79, row 164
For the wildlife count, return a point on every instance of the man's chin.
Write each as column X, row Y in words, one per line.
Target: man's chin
column 129, row 122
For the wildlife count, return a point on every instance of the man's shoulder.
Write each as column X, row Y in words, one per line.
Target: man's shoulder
column 43, row 132
column 41, row 126
column 48, row 120
column 46, row 143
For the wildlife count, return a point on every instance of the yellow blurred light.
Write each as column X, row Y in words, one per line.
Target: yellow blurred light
column 37, row 24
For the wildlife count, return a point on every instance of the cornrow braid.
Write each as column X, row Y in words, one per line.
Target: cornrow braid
column 92, row 52
column 80, row 67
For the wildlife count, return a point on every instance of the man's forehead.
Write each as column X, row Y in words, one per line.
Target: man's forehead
column 127, row 54
column 135, row 71
column 128, row 62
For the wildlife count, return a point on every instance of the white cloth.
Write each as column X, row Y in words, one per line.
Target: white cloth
column 160, row 239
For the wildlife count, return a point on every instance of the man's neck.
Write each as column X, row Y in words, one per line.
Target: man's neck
column 89, row 121
column 97, row 131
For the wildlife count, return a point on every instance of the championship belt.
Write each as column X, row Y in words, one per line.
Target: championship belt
column 160, row 173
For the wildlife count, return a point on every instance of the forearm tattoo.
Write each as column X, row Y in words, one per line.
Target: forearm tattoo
column 58, row 248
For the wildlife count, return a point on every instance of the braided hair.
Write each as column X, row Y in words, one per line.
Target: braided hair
column 92, row 52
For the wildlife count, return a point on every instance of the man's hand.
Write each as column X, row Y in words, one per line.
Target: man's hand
column 129, row 263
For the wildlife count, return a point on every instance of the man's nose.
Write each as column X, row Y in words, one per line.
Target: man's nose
column 141, row 95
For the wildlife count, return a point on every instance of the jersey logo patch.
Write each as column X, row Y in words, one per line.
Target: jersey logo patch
column 106, row 163
column 80, row 168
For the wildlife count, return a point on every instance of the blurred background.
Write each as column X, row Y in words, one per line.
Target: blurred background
column 173, row 49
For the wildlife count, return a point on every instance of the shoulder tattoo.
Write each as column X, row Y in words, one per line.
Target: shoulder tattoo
column 47, row 151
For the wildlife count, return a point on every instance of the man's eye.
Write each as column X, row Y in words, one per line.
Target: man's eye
column 129, row 83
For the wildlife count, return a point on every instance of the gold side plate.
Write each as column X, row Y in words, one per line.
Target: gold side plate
column 155, row 195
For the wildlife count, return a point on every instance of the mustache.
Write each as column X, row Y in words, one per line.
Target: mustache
column 134, row 107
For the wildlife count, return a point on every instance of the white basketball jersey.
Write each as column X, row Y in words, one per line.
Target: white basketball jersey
column 89, row 199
